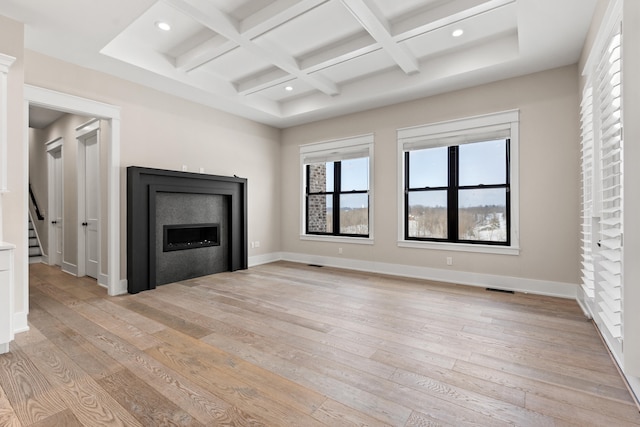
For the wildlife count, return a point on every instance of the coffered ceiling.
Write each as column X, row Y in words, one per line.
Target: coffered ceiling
column 286, row 62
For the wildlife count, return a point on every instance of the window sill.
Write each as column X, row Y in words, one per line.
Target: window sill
column 461, row 247
column 338, row 239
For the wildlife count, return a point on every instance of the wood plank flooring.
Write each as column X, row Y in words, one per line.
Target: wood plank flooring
column 287, row 344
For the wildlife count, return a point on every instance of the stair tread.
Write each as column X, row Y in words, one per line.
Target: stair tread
column 34, row 246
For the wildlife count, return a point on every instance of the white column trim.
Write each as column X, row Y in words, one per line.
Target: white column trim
column 5, row 63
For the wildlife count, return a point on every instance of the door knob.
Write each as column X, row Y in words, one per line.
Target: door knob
column 84, row 224
column 54, row 222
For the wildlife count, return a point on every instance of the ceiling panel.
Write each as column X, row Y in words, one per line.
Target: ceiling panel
column 236, row 65
column 183, row 28
column 191, row 41
column 338, row 55
column 397, row 9
column 489, row 24
column 359, row 67
column 280, row 94
column 313, row 30
column 241, row 9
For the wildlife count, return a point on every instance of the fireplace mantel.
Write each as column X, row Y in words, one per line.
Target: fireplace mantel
column 143, row 187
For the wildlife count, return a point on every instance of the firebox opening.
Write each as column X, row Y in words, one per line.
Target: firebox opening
column 178, row 237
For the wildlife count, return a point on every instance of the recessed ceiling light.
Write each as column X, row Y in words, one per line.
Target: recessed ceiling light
column 458, row 32
column 288, row 88
column 164, row 26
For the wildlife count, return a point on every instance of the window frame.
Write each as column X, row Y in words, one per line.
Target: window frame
column 453, row 191
column 336, row 151
column 496, row 126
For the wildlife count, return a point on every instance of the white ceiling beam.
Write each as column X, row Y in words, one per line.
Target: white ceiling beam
column 213, row 18
column 312, row 63
column 417, row 23
column 204, row 52
column 276, row 14
column 282, row 11
column 273, row 54
column 372, row 19
column 270, row 17
column 339, row 52
column 261, row 81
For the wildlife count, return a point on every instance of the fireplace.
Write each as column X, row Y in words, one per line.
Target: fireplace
column 183, row 225
column 180, row 237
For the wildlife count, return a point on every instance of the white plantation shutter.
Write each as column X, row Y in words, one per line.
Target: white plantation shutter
column 587, row 154
column 609, row 270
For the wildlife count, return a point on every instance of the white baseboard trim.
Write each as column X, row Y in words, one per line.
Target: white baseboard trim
column 634, row 385
column 103, row 280
column 264, row 259
column 70, row 268
column 45, row 259
column 516, row 284
column 20, row 322
column 580, row 298
column 121, row 289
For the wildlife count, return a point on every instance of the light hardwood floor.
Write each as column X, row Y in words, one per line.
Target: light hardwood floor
column 287, row 344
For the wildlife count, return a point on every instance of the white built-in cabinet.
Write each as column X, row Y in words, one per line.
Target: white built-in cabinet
column 6, row 249
column 6, row 296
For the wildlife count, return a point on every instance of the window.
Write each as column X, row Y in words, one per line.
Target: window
column 458, row 193
column 457, row 184
column 337, row 188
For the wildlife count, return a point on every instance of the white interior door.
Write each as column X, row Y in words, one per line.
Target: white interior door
column 92, row 207
column 55, row 207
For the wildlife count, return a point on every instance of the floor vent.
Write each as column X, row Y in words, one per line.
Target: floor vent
column 315, row 265
column 504, row 291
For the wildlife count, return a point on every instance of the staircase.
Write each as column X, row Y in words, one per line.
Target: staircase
column 35, row 253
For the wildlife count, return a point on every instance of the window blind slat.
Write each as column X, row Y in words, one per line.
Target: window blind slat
column 587, row 287
column 613, row 256
column 612, row 326
column 587, row 140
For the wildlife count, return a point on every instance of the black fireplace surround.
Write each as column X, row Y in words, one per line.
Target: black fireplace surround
column 146, row 190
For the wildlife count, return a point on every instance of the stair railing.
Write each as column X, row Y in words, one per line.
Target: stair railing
column 35, row 204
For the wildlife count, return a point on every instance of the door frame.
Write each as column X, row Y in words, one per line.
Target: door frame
column 111, row 114
column 54, row 146
column 84, row 131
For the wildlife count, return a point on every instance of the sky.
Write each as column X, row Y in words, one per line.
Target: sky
column 480, row 163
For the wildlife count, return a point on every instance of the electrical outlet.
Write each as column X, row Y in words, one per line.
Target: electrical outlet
column 253, row 245
column 184, row 168
column 339, row 251
column 449, row 260
column 201, row 170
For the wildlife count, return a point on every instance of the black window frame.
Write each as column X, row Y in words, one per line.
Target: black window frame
column 453, row 188
column 335, row 195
